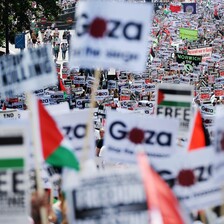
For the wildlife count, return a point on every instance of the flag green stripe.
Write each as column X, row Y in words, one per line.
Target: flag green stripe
column 62, row 157
column 10, row 163
column 175, row 104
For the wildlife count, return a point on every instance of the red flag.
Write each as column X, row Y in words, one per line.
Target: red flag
column 61, row 86
column 175, row 8
column 199, row 136
column 159, row 196
column 3, row 106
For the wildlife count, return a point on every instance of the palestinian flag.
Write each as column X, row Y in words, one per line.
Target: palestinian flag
column 62, row 88
column 174, row 97
column 54, row 149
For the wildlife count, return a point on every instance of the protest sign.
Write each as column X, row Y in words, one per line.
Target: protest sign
column 27, row 71
column 112, row 84
column 75, row 131
column 206, row 52
column 205, row 93
column 189, row 7
column 9, row 114
column 117, row 196
column 101, row 94
column 79, row 80
column 219, row 143
column 117, row 40
column 192, row 178
column 14, row 205
column 188, row 34
column 174, row 101
column 125, row 131
column 189, row 61
column 218, row 90
column 207, row 109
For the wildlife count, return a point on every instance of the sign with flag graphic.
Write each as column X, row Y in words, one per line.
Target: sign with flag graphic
column 106, row 39
column 174, row 101
column 14, row 198
column 125, row 133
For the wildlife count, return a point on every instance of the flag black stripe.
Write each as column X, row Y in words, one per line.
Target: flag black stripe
column 176, row 92
column 6, row 141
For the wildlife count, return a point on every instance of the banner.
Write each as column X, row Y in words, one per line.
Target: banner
column 126, row 133
column 189, row 61
column 188, row 34
column 174, row 101
column 189, row 7
column 28, row 71
column 14, row 189
column 108, row 197
column 118, row 40
column 206, row 53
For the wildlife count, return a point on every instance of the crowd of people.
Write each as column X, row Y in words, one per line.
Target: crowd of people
column 134, row 91
column 39, row 36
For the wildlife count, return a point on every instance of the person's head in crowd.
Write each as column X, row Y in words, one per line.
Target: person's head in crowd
column 101, row 132
column 222, row 99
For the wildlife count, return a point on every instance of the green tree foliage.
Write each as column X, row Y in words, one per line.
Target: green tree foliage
column 20, row 13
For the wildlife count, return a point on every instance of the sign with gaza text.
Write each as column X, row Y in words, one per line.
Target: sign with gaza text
column 106, row 39
column 101, row 94
column 192, row 179
column 125, row 133
column 28, row 71
column 74, row 125
column 14, row 195
column 205, row 52
column 117, row 196
column 79, row 80
column 190, row 61
column 188, row 34
column 174, row 101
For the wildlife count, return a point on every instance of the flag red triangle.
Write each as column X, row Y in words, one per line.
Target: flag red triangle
column 199, row 136
column 161, row 197
column 51, row 136
column 61, row 86
column 160, row 97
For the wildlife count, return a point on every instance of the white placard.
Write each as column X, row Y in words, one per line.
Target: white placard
column 118, row 196
column 28, row 71
column 192, row 178
column 73, row 125
column 106, row 39
column 14, row 188
column 126, row 133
